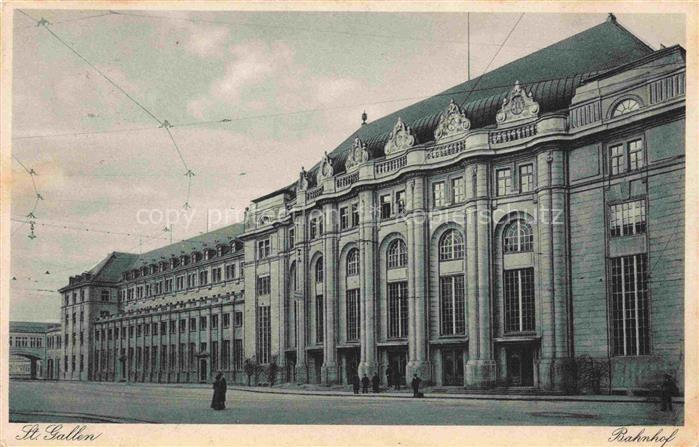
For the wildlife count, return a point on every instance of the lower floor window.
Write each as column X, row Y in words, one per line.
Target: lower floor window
column 319, row 319
column 352, row 312
column 519, row 300
column 238, row 354
column 451, row 305
column 264, row 333
column 629, row 288
column 398, row 309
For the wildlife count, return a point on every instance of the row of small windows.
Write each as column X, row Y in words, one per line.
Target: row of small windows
column 182, row 260
column 181, row 282
column 72, row 298
column 148, row 329
column 26, row 342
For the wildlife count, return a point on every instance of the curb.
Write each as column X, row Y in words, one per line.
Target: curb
column 524, row 398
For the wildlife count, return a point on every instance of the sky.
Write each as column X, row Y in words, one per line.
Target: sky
column 289, row 86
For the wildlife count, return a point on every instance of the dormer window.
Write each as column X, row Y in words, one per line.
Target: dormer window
column 219, row 250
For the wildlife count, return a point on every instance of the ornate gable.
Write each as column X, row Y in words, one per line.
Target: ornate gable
column 400, row 140
column 517, row 106
column 357, row 155
column 453, row 124
column 325, row 170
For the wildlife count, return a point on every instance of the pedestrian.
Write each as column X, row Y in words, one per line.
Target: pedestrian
column 667, row 390
column 219, row 400
column 375, row 383
column 355, row 384
column 416, row 386
column 396, row 379
column 365, row 384
column 389, row 376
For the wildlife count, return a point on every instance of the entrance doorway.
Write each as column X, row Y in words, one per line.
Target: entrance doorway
column 452, row 367
column 398, row 361
column 520, row 365
column 122, row 367
column 352, row 361
column 202, row 371
column 291, row 367
column 49, row 369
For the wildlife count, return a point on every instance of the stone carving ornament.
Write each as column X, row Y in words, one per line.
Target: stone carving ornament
column 325, row 170
column 400, row 140
column 358, row 155
column 452, row 124
column 517, row 105
column 302, row 183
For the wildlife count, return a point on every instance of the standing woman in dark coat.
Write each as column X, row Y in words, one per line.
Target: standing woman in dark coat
column 219, row 400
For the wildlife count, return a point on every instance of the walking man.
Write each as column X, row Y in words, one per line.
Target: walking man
column 416, row 386
column 365, row 384
column 355, row 384
column 667, row 390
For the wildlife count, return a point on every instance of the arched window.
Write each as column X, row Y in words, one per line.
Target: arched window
column 353, row 262
column 397, row 254
column 319, row 270
column 451, row 246
column 626, row 106
column 518, row 237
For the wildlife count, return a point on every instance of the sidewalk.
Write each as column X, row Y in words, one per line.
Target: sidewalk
column 455, row 393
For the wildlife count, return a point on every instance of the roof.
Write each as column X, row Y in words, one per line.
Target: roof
column 31, row 326
column 551, row 74
column 223, row 235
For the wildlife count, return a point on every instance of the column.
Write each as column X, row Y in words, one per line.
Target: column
column 367, row 272
column 418, row 270
column 553, row 296
column 329, row 367
column 480, row 368
column 301, row 254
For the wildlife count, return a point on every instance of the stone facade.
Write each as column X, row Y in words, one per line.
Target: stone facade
column 485, row 255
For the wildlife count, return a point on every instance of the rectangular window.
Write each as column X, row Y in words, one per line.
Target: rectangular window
column 344, row 218
column 214, row 322
column 636, row 160
column 238, row 354
column 216, row 275
column 630, row 305
column 105, row 295
column 179, row 282
column 183, row 325
column 400, row 203
column 438, row 194
column 451, row 305
column 352, row 312
column 191, row 357
column 526, row 178
column 320, row 318
column 202, row 323
column 226, row 354
column 264, row 333
column 230, row 271
column 172, row 326
column 398, row 309
column 263, row 249
column 238, row 319
column 457, row 190
column 519, row 300
column 214, row 355
column 312, row 229
column 627, row 218
column 263, row 285
column 504, row 178
column 617, row 160
column 226, row 320
column 292, row 237
column 385, row 206
column 355, row 214
column 192, row 324
column 203, row 278
column 146, row 329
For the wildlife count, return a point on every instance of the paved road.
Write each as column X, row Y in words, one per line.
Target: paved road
column 49, row 401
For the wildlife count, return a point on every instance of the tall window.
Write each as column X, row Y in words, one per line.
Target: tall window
column 386, row 206
column 635, row 154
column 398, row 309
column 504, row 178
column 226, row 354
column 632, row 151
column 451, row 305
column 438, row 194
column 397, row 254
column 518, row 237
column 293, row 283
column 353, row 314
column 292, row 237
column 264, row 334
column 451, row 246
column 630, row 306
column 263, row 248
column 355, row 214
column 526, row 178
column 263, row 285
column 400, row 203
column 457, row 190
column 238, row 354
column 344, row 218
column 519, row 300
column 319, row 319
column 353, row 262
column 616, row 155
column 319, row 270
column 627, row 218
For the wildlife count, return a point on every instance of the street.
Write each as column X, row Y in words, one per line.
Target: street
column 38, row 401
